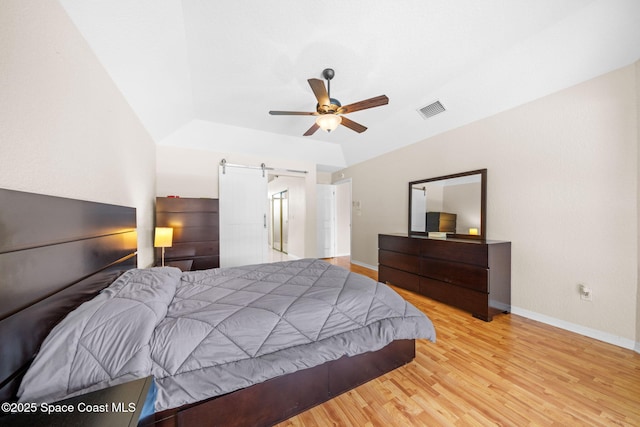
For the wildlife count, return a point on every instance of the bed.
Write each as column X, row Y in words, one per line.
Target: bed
column 260, row 380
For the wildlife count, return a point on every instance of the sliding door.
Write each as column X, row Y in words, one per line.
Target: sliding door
column 243, row 203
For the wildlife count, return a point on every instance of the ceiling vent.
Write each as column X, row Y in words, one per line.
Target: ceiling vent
column 431, row 110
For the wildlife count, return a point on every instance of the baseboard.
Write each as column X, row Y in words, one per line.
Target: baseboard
column 362, row 264
column 579, row 329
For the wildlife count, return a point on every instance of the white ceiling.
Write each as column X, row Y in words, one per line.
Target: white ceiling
column 191, row 68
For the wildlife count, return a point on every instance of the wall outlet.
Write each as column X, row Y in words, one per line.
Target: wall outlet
column 586, row 294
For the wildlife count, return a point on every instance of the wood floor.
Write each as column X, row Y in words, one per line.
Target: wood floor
column 510, row 372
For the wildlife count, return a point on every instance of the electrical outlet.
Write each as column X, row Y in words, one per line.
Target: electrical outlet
column 586, row 294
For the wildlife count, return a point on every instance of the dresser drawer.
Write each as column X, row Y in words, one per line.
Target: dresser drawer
column 405, row 245
column 468, row 253
column 195, row 234
column 187, row 219
column 191, row 249
column 409, row 263
column 177, row 204
column 399, row 278
column 465, row 275
column 464, row 298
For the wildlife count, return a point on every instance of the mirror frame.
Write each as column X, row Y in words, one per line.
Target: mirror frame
column 482, row 235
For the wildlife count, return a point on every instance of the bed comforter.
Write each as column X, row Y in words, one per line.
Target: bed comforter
column 207, row 333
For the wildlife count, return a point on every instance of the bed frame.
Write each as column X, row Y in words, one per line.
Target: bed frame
column 56, row 253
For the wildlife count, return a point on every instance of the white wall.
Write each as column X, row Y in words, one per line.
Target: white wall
column 562, row 187
column 65, row 129
column 193, row 172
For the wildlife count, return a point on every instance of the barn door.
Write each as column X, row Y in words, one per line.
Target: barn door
column 243, row 216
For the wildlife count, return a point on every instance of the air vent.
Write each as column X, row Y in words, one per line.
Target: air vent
column 431, row 109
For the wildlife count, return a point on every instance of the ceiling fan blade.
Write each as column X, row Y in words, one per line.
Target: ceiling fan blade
column 352, row 125
column 363, row 105
column 320, row 91
column 312, row 130
column 292, row 113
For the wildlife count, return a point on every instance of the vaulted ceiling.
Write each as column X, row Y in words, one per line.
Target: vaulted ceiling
column 196, row 69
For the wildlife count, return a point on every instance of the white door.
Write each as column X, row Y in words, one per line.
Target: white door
column 243, row 202
column 326, row 220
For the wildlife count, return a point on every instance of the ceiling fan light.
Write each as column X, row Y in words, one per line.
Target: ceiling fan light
column 328, row 122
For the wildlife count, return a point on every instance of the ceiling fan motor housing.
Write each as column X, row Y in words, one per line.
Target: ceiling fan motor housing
column 329, row 109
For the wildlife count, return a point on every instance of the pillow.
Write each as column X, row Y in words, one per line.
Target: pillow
column 105, row 341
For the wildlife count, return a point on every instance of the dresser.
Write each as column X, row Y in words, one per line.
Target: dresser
column 196, row 231
column 473, row 275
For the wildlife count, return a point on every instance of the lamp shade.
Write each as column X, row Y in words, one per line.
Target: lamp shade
column 164, row 237
column 473, row 231
column 328, row 122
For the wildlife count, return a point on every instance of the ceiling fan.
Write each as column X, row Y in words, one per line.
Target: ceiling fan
column 329, row 110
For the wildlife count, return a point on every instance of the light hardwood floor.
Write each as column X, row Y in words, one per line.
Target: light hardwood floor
column 509, row 372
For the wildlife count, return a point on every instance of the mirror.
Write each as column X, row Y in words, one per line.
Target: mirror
column 452, row 204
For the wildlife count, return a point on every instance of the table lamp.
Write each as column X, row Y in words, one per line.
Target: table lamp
column 163, row 239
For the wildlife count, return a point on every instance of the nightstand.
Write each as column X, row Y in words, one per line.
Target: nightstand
column 120, row 405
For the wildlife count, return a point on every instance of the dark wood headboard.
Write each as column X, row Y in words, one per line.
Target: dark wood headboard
column 55, row 253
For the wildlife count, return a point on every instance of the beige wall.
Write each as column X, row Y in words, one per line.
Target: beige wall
column 65, row 129
column 324, row 177
column 190, row 172
column 562, row 187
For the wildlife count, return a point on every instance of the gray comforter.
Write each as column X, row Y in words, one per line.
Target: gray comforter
column 206, row 333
